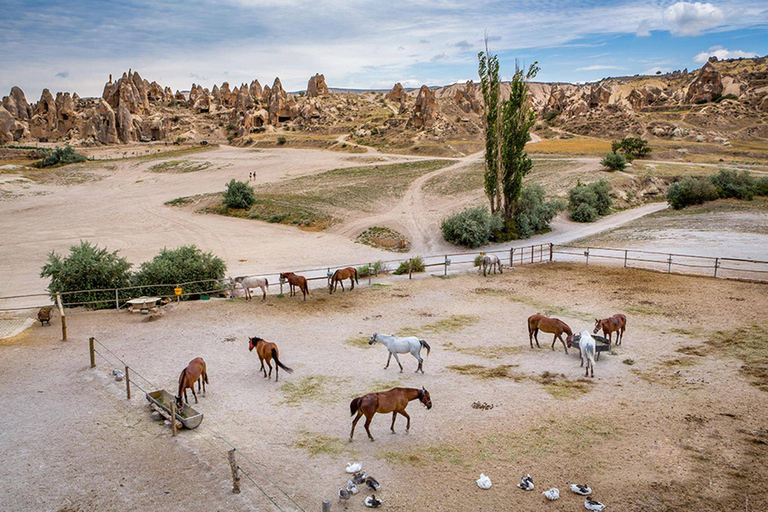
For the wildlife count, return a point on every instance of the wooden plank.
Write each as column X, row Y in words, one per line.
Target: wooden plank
column 164, row 413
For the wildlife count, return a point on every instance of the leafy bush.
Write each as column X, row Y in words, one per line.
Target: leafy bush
column 239, row 195
column 632, row 147
column 471, row 227
column 690, row 191
column 595, row 195
column 418, row 266
column 374, row 269
column 281, row 140
column 478, row 260
column 61, row 156
column 533, row 213
column 87, row 267
column 614, row 161
column 173, row 266
column 761, row 186
column 550, row 115
column 739, row 185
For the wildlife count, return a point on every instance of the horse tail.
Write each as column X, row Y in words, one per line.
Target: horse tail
column 266, row 283
column 425, row 345
column 306, row 286
column 205, row 376
column 278, row 363
column 354, row 405
column 356, row 281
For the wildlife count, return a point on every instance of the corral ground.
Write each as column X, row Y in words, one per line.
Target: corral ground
column 674, row 420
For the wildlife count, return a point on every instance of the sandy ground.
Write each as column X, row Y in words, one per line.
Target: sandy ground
column 679, row 429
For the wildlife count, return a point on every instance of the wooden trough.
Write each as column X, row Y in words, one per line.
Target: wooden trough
column 160, row 401
column 601, row 344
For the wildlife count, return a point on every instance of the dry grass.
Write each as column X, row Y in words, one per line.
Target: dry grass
column 502, row 371
column 310, row 388
column 550, row 309
column 749, row 345
column 488, row 352
column 358, row 342
column 561, row 388
column 315, row 443
column 419, row 457
column 453, row 323
column 574, row 146
column 180, row 166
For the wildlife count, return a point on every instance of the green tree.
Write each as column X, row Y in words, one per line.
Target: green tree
column 614, row 161
column 181, row 265
column 87, row 267
column 588, row 202
column 534, row 213
column 239, row 195
column 472, row 227
column 632, row 147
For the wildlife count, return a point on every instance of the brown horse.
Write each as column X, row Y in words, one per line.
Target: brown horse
column 267, row 351
column 554, row 326
column 194, row 372
column 395, row 401
column 617, row 323
column 296, row 281
column 340, row 275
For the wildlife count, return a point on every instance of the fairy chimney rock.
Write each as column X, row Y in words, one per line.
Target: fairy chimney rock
column 316, row 86
column 425, row 109
column 706, row 85
column 397, row 93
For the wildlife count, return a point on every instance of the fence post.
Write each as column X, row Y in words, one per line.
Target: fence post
column 128, row 381
column 281, row 286
column 90, row 350
column 551, row 251
column 669, row 267
column 234, row 467
column 625, row 258
column 328, row 275
column 445, row 268
column 511, row 257
column 63, row 318
column 717, row 264
column 410, row 268
column 370, row 271
column 117, row 300
column 326, row 506
column 173, row 417
column 586, row 256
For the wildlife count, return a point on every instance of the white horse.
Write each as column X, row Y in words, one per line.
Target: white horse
column 587, row 349
column 397, row 345
column 490, row 261
column 251, row 282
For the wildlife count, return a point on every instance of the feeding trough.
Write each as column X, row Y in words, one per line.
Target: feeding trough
column 143, row 304
column 160, row 401
column 601, row 344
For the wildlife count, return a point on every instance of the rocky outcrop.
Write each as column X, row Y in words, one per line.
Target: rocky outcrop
column 215, row 93
column 44, row 123
column 100, row 124
column 707, row 84
column 279, row 106
column 225, row 95
column 316, row 86
column 425, row 111
column 764, row 104
column 11, row 130
column 397, row 93
column 16, row 104
column 66, row 115
column 202, row 102
column 468, row 99
column 599, row 94
column 256, row 90
column 243, row 99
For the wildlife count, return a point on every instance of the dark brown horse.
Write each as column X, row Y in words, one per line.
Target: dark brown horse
column 340, row 275
column 617, row 323
column 194, row 372
column 267, row 351
column 296, row 281
column 395, row 401
column 554, row 326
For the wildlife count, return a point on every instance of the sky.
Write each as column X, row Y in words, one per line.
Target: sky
column 74, row 45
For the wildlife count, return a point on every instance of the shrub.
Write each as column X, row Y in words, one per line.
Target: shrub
column 61, row 156
column 173, row 266
column 478, row 260
column 418, row 266
column 761, row 186
column 739, row 185
column 595, row 195
column 238, row 195
column 374, row 269
column 533, row 214
column 550, row 115
column 632, row 147
column 281, row 140
column 87, row 267
column 690, row 191
column 614, row 161
column 471, row 227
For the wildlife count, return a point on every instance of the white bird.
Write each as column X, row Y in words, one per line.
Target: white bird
column 526, row 483
column 354, row 467
column 595, row 505
column 373, row 502
column 372, row 483
column 484, row 482
column 352, row 488
column 581, row 489
column 358, row 478
column 552, row 494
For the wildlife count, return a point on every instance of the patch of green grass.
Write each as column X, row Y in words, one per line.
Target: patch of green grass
column 180, row 166
column 179, row 201
column 310, row 388
column 488, row 352
column 315, row 443
column 453, row 323
column 384, row 238
column 379, row 286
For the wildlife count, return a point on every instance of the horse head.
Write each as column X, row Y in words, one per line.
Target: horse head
column 373, row 339
column 179, row 403
column 569, row 340
column 252, row 342
column 598, row 325
column 425, row 399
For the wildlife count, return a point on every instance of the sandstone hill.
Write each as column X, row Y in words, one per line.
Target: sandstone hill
column 722, row 100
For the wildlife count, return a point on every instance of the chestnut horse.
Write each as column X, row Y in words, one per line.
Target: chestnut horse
column 194, row 372
column 267, row 351
column 294, row 281
column 617, row 323
column 554, row 326
column 395, row 401
column 340, row 275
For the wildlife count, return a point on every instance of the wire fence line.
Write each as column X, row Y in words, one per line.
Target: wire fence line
column 215, row 434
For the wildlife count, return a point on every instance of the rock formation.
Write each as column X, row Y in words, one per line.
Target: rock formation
column 279, row 107
column 316, row 86
column 256, row 90
column 707, row 84
column 468, row 99
column 397, row 93
column 16, row 104
column 425, row 109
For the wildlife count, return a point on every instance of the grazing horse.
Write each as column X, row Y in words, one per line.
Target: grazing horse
column 490, row 261
column 587, row 349
column 296, row 281
column 617, row 323
column 395, row 401
column 397, row 345
column 251, row 282
column 554, row 326
column 194, row 372
column 267, row 351
column 340, row 275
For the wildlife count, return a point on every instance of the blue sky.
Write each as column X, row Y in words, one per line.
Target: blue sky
column 75, row 45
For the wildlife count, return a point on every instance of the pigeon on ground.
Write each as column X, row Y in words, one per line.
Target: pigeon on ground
column 594, row 505
column 354, row 467
column 344, row 496
column 584, row 490
column 484, row 482
column 358, row 478
column 352, row 488
column 552, row 494
column 526, row 483
column 372, row 501
column 372, row 483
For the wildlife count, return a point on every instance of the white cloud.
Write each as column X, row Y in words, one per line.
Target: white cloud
column 690, row 19
column 723, row 54
column 598, row 67
column 644, row 29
